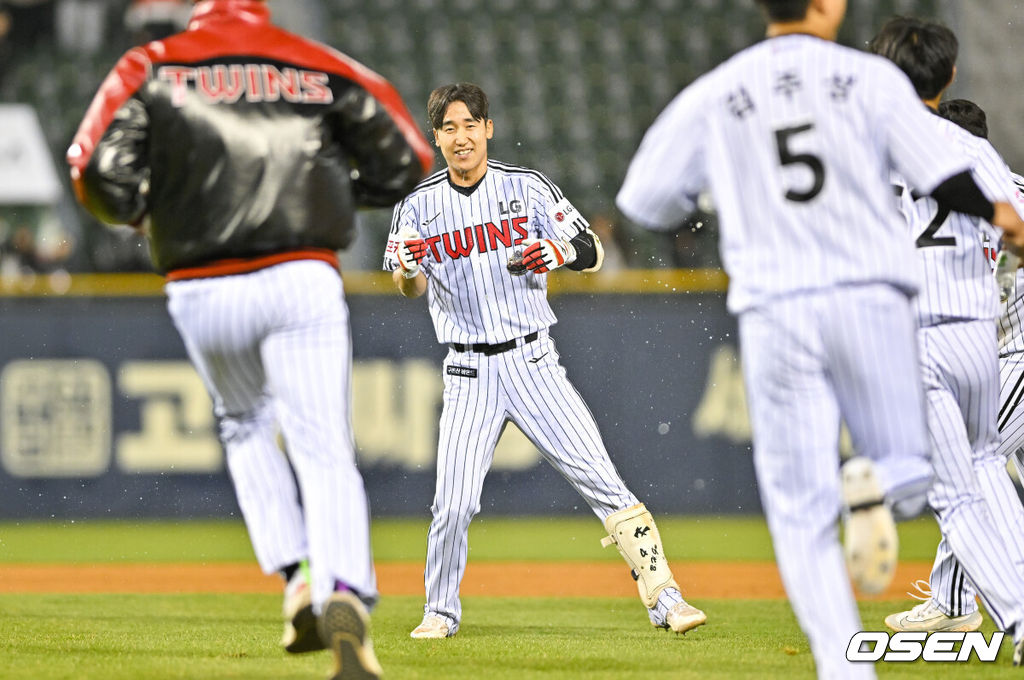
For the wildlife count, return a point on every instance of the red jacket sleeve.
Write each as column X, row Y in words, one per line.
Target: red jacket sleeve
column 390, row 154
column 108, row 159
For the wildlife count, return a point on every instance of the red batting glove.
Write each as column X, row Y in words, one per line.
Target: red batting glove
column 542, row 255
column 410, row 253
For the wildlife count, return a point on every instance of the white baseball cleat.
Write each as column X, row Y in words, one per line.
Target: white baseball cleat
column 345, row 628
column 928, row 618
column 672, row 612
column 300, row 634
column 683, row 617
column 1018, row 652
column 871, row 543
column 433, row 627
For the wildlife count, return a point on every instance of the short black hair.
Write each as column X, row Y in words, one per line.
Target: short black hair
column 442, row 97
column 967, row 115
column 925, row 50
column 784, row 10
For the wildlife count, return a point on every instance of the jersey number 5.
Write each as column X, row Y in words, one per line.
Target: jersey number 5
column 813, row 163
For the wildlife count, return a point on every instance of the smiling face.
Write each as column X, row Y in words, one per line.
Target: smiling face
column 463, row 143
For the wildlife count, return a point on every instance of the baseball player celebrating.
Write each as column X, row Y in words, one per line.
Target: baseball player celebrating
column 956, row 310
column 480, row 237
column 1011, row 364
column 795, row 138
column 243, row 151
column 949, row 597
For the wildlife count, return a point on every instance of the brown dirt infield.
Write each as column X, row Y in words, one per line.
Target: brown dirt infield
column 699, row 580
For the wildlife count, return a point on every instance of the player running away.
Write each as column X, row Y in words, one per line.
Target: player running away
column 458, row 236
column 231, row 146
column 795, row 138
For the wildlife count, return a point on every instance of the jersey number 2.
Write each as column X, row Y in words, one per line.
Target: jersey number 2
column 813, row 163
column 928, row 239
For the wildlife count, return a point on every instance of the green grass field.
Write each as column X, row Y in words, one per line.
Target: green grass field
column 114, row 637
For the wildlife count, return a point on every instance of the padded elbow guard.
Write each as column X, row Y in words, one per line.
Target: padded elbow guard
column 589, row 252
column 634, row 533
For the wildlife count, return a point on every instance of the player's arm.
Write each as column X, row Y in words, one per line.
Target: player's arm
column 962, row 194
column 582, row 253
column 667, row 173
column 566, row 238
column 1009, row 262
column 388, row 151
column 928, row 159
column 589, row 252
column 410, row 288
column 109, row 156
column 922, row 154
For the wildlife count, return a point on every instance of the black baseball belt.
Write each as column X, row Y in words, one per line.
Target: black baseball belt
column 490, row 350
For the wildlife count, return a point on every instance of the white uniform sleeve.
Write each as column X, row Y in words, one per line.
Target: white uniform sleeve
column 404, row 218
column 994, row 177
column 668, row 173
column 1018, row 196
column 556, row 217
column 917, row 147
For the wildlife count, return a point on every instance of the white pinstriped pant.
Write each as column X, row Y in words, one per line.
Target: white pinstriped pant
column 528, row 386
column 951, row 586
column 273, row 346
column 809, row 360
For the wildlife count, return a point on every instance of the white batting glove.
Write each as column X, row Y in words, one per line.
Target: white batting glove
column 543, row 255
column 411, row 250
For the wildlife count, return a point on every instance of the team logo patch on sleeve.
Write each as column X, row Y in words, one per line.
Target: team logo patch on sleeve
column 562, row 211
column 462, row 371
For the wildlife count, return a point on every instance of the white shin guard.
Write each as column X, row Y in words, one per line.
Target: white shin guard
column 634, row 533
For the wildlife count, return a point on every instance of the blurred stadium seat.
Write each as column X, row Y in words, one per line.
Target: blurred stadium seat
column 573, row 83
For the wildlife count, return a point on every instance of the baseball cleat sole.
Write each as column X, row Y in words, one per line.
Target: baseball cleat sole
column 871, row 544
column 345, row 629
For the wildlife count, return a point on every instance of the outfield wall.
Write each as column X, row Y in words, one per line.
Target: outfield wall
column 102, row 416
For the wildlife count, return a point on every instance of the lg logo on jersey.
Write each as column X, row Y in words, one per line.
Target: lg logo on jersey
column 904, row 647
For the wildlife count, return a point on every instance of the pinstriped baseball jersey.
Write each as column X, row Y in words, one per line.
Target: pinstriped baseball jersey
column 470, row 234
column 795, row 137
column 950, row 589
column 1011, row 323
column 957, row 277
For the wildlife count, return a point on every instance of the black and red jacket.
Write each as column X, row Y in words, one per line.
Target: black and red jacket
column 237, row 145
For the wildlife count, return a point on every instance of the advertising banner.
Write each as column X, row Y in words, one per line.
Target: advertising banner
column 101, row 415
